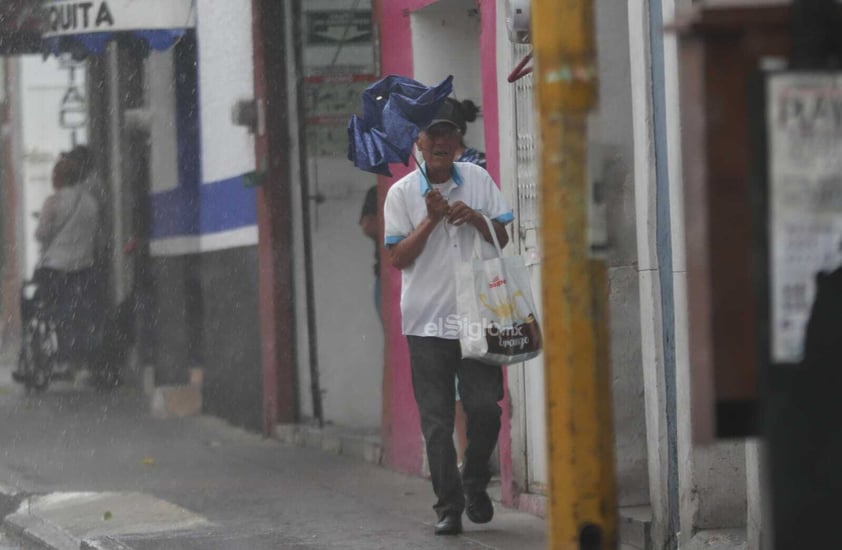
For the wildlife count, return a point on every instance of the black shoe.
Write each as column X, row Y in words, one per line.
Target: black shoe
column 478, row 507
column 449, row 524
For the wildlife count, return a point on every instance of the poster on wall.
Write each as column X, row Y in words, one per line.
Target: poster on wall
column 339, row 62
column 329, row 103
column 804, row 125
column 338, row 26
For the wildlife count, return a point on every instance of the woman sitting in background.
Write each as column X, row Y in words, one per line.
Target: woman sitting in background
column 67, row 230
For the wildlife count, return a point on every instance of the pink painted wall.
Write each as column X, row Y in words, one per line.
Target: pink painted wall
column 401, row 432
column 402, row 443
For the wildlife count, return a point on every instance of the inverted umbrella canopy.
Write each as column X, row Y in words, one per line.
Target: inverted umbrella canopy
column 395, row 109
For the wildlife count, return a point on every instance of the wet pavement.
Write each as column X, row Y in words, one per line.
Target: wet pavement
column 96, row 466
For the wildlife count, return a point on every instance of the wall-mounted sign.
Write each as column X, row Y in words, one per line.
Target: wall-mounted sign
column 804, row 124
column 73, row 111
column 70, row 17
column 338, row 26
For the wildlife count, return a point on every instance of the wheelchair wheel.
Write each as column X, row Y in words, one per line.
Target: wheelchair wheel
column 24, row 371
column 39, row 380
column 27, row 358
column 40, row 356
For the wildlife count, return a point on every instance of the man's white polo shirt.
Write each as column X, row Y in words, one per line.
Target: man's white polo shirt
column 428, row 294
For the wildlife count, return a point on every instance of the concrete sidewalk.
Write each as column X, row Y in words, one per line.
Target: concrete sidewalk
column 81, row 469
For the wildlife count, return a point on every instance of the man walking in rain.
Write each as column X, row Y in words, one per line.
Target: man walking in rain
column 431, row 217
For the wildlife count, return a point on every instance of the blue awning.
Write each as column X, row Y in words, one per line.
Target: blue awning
column 95, row 43
column 85, row 27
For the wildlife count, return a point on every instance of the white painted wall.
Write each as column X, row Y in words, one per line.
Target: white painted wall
column 42, row 86
column 226, row 74
column 450, row 31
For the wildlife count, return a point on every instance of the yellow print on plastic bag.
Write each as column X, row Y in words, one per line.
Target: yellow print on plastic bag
column 504, row 309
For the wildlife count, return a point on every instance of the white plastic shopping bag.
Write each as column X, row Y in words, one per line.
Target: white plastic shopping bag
column 498, row 322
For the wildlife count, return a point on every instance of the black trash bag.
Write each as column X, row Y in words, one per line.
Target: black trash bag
column 806, row 432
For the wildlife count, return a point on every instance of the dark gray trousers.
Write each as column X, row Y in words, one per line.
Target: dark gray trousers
column 435, row 362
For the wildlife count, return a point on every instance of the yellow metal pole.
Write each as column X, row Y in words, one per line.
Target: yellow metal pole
column 582, row 509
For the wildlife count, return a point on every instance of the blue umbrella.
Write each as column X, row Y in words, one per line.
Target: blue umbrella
column 395, row 109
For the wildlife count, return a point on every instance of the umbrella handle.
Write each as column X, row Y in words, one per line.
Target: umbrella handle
column 419, row 165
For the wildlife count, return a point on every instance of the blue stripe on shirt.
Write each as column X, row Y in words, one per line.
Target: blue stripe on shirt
column 505, row 218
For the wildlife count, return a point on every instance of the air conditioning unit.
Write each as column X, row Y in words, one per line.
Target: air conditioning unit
column 518, row 13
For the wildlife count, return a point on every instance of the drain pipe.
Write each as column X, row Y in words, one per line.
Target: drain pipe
column 295, row 19
column 115, row 170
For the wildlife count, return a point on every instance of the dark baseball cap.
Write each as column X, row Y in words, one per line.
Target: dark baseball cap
column 450, row 112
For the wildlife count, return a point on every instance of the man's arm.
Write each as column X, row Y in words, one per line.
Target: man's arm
column 403, row 253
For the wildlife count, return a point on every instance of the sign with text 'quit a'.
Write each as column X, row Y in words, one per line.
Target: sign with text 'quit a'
column 73, row 17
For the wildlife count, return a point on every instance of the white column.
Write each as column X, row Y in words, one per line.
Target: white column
column 687, row 496
column 758, row 535
column 651, row 322
column 710, row 479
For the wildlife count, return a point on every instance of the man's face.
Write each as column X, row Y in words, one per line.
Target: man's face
column 438, row 145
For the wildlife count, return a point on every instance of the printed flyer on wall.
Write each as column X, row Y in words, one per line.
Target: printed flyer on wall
column 804, row 123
